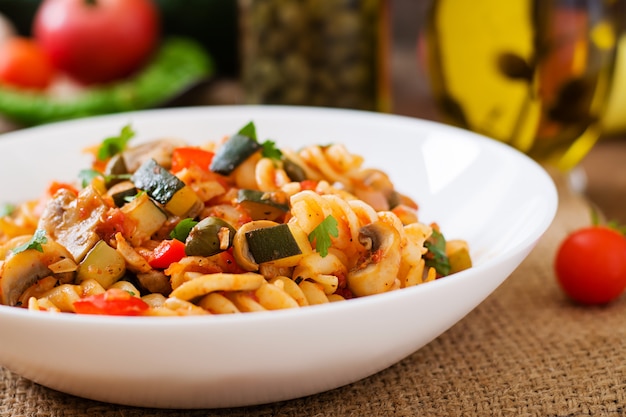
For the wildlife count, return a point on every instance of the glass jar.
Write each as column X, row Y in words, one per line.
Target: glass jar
column 329, row 53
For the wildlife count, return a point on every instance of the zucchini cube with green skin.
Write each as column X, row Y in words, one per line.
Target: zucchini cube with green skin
column 282, row 245
column 147, row 217
column 122, row 192
column 157, row 181
column 166, row 188
column 261, row 205
column 114, row 169
column 232, row 153
column 184, row 203
column 458, row 255
column 103, row 264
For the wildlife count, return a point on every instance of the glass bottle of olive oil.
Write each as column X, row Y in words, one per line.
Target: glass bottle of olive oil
column 532, row 73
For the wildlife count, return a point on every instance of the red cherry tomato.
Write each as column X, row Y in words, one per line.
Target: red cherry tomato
column 112, row 302
column 590, row 265
column 24, row 64
column 97, row 41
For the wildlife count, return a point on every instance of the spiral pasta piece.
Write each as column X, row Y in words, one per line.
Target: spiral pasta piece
column 333, row 162
column 325, row 270
column 200, row 285
column 268, row 176
column 290, row 287
column 216, row 303
column 308, row 209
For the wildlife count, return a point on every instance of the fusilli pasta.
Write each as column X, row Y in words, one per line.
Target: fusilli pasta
column 235, row 226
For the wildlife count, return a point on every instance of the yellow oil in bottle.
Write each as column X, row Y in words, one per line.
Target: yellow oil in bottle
column 532, row 73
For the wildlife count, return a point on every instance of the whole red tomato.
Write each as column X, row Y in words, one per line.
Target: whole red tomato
column 23, row 64
column 97, row 41
column 590, row 265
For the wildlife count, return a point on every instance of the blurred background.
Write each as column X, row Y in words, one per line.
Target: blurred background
column 214, row 24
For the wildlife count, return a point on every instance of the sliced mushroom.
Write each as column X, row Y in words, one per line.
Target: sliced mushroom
column 21, row 270
column 72, row 221
column 375, row 188
column 378, row 270
column 241, row 250
column 159, row 150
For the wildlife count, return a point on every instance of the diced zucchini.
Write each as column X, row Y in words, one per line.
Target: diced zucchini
column 262, row 205
column 210, row 236
column 157, row 181
column 103, row 264
column 184, row 203
column 232, row 153
column 122, row 192
column 283, row 245
column 458, row 255
column 115, row 167
column 147, row 216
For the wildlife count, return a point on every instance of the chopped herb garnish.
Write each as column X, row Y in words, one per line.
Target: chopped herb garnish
column 130, row 198
column 115, row 144
column 35, row 242
column 270, row 150
column 249, row 130
column 436, row 256
column 322, row 233
column 7, row 209
column 86, row 176
column 182, row 229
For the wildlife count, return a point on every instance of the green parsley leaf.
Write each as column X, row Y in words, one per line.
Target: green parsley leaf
column 436, row 256
column 7, row 209
column 35, row 242
column 130, row 198
column 322, row 233
column 115, row 144
column 182, row 229
column 270, row 150
column 249, row 130
column 87, row 175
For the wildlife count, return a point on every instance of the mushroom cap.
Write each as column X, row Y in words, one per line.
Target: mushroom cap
column 380, row 269
column 21, row 270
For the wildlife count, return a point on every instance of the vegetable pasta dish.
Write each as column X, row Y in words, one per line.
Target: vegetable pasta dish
column 165, row 228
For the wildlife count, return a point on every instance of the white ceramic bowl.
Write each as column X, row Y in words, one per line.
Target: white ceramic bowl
column 477, row 189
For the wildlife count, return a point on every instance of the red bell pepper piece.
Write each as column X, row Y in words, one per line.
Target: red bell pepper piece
column 188, row 156
column 56, row 186
column 112, row 302
column 168, row 252
column 308, row 185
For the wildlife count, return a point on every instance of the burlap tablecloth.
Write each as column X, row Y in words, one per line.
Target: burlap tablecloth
column 524, row 351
